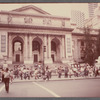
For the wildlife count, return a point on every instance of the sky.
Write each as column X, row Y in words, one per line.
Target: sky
column 59, row 9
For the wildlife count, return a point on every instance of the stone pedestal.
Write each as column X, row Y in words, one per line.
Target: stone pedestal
column 68, row 60
column 9, row 60
column 48, row 61
column 28, row 61
column 64, row 60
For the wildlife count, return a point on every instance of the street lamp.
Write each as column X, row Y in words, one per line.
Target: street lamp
column 44, row 50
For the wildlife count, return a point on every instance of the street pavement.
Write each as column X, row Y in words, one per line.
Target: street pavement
column 55, row 87
column 70, row 88
column 55, row 78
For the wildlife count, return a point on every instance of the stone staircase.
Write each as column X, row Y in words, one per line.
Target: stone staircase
column 56, row 65
column 11, row 66
column 52, row 66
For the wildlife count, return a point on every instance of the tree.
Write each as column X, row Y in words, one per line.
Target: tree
column 89, row 47
column 98, row 44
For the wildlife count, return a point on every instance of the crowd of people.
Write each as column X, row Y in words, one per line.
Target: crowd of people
column 85, row 70
column 23, row 72
column 76, row 70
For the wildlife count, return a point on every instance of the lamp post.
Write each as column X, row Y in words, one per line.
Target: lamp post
column 44, row 50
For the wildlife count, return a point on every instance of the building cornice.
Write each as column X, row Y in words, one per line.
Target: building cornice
column 34, row 27
column 82, row 34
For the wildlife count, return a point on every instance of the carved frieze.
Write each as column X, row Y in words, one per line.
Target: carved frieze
column 34, row 20
column 9, row 19
column 28, row 20
column 47, row 21
column 63, row 23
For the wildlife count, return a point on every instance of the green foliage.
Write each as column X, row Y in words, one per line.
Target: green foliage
column 98, row 44
column 89, row 47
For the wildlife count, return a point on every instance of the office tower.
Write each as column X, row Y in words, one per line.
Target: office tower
column 91, row 8
column 78, row 17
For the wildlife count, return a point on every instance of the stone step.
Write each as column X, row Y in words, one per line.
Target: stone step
column 54, row 65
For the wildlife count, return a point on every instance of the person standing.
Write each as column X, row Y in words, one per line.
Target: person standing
column 11, row 76
column 2, row 75
column 43, row 74
column 36, row 74
column 66, row 72
column 6, row 79
column 47, row 73
column 59, row 72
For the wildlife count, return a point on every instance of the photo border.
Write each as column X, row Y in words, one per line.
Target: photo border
column 48, row 1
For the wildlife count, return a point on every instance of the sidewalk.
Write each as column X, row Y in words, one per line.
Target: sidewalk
column 54, row 78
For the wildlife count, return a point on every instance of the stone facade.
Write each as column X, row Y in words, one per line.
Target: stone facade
column 29, row 35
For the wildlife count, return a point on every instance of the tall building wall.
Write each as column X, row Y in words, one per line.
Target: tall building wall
column 78, row 17
column 91, row 8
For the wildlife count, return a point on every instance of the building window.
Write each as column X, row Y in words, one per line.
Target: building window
column 53, row 46
column 36, row 46
column 82, row 43
column 17, row 46
column 82, row 54
column 82, row 50
column 3, row 43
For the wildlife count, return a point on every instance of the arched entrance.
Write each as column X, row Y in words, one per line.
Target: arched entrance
column 55, row 50
column 36, row 49
column 17, row 50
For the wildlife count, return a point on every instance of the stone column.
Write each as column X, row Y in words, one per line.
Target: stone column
column 49, row 50
column 68, row 44
column 10, row 50
column 63, row 48
column 45, row 44
column 30, row 50
column 10, row 47
column 49, row 47
column 76, row 50
column 47, row 59
column 79, row 50
column 26, row 49
column 30, row 46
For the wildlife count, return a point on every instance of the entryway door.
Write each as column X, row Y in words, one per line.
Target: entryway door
column 17, row 57
column 35, row 58
column 52, row 56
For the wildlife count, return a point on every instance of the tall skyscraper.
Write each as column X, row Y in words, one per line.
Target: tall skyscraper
column 91, row 8
column 78, row 17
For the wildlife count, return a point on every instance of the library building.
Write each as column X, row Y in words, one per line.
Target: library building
column 30, row 35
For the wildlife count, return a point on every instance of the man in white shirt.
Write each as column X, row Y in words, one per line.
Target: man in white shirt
column 6, row 79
